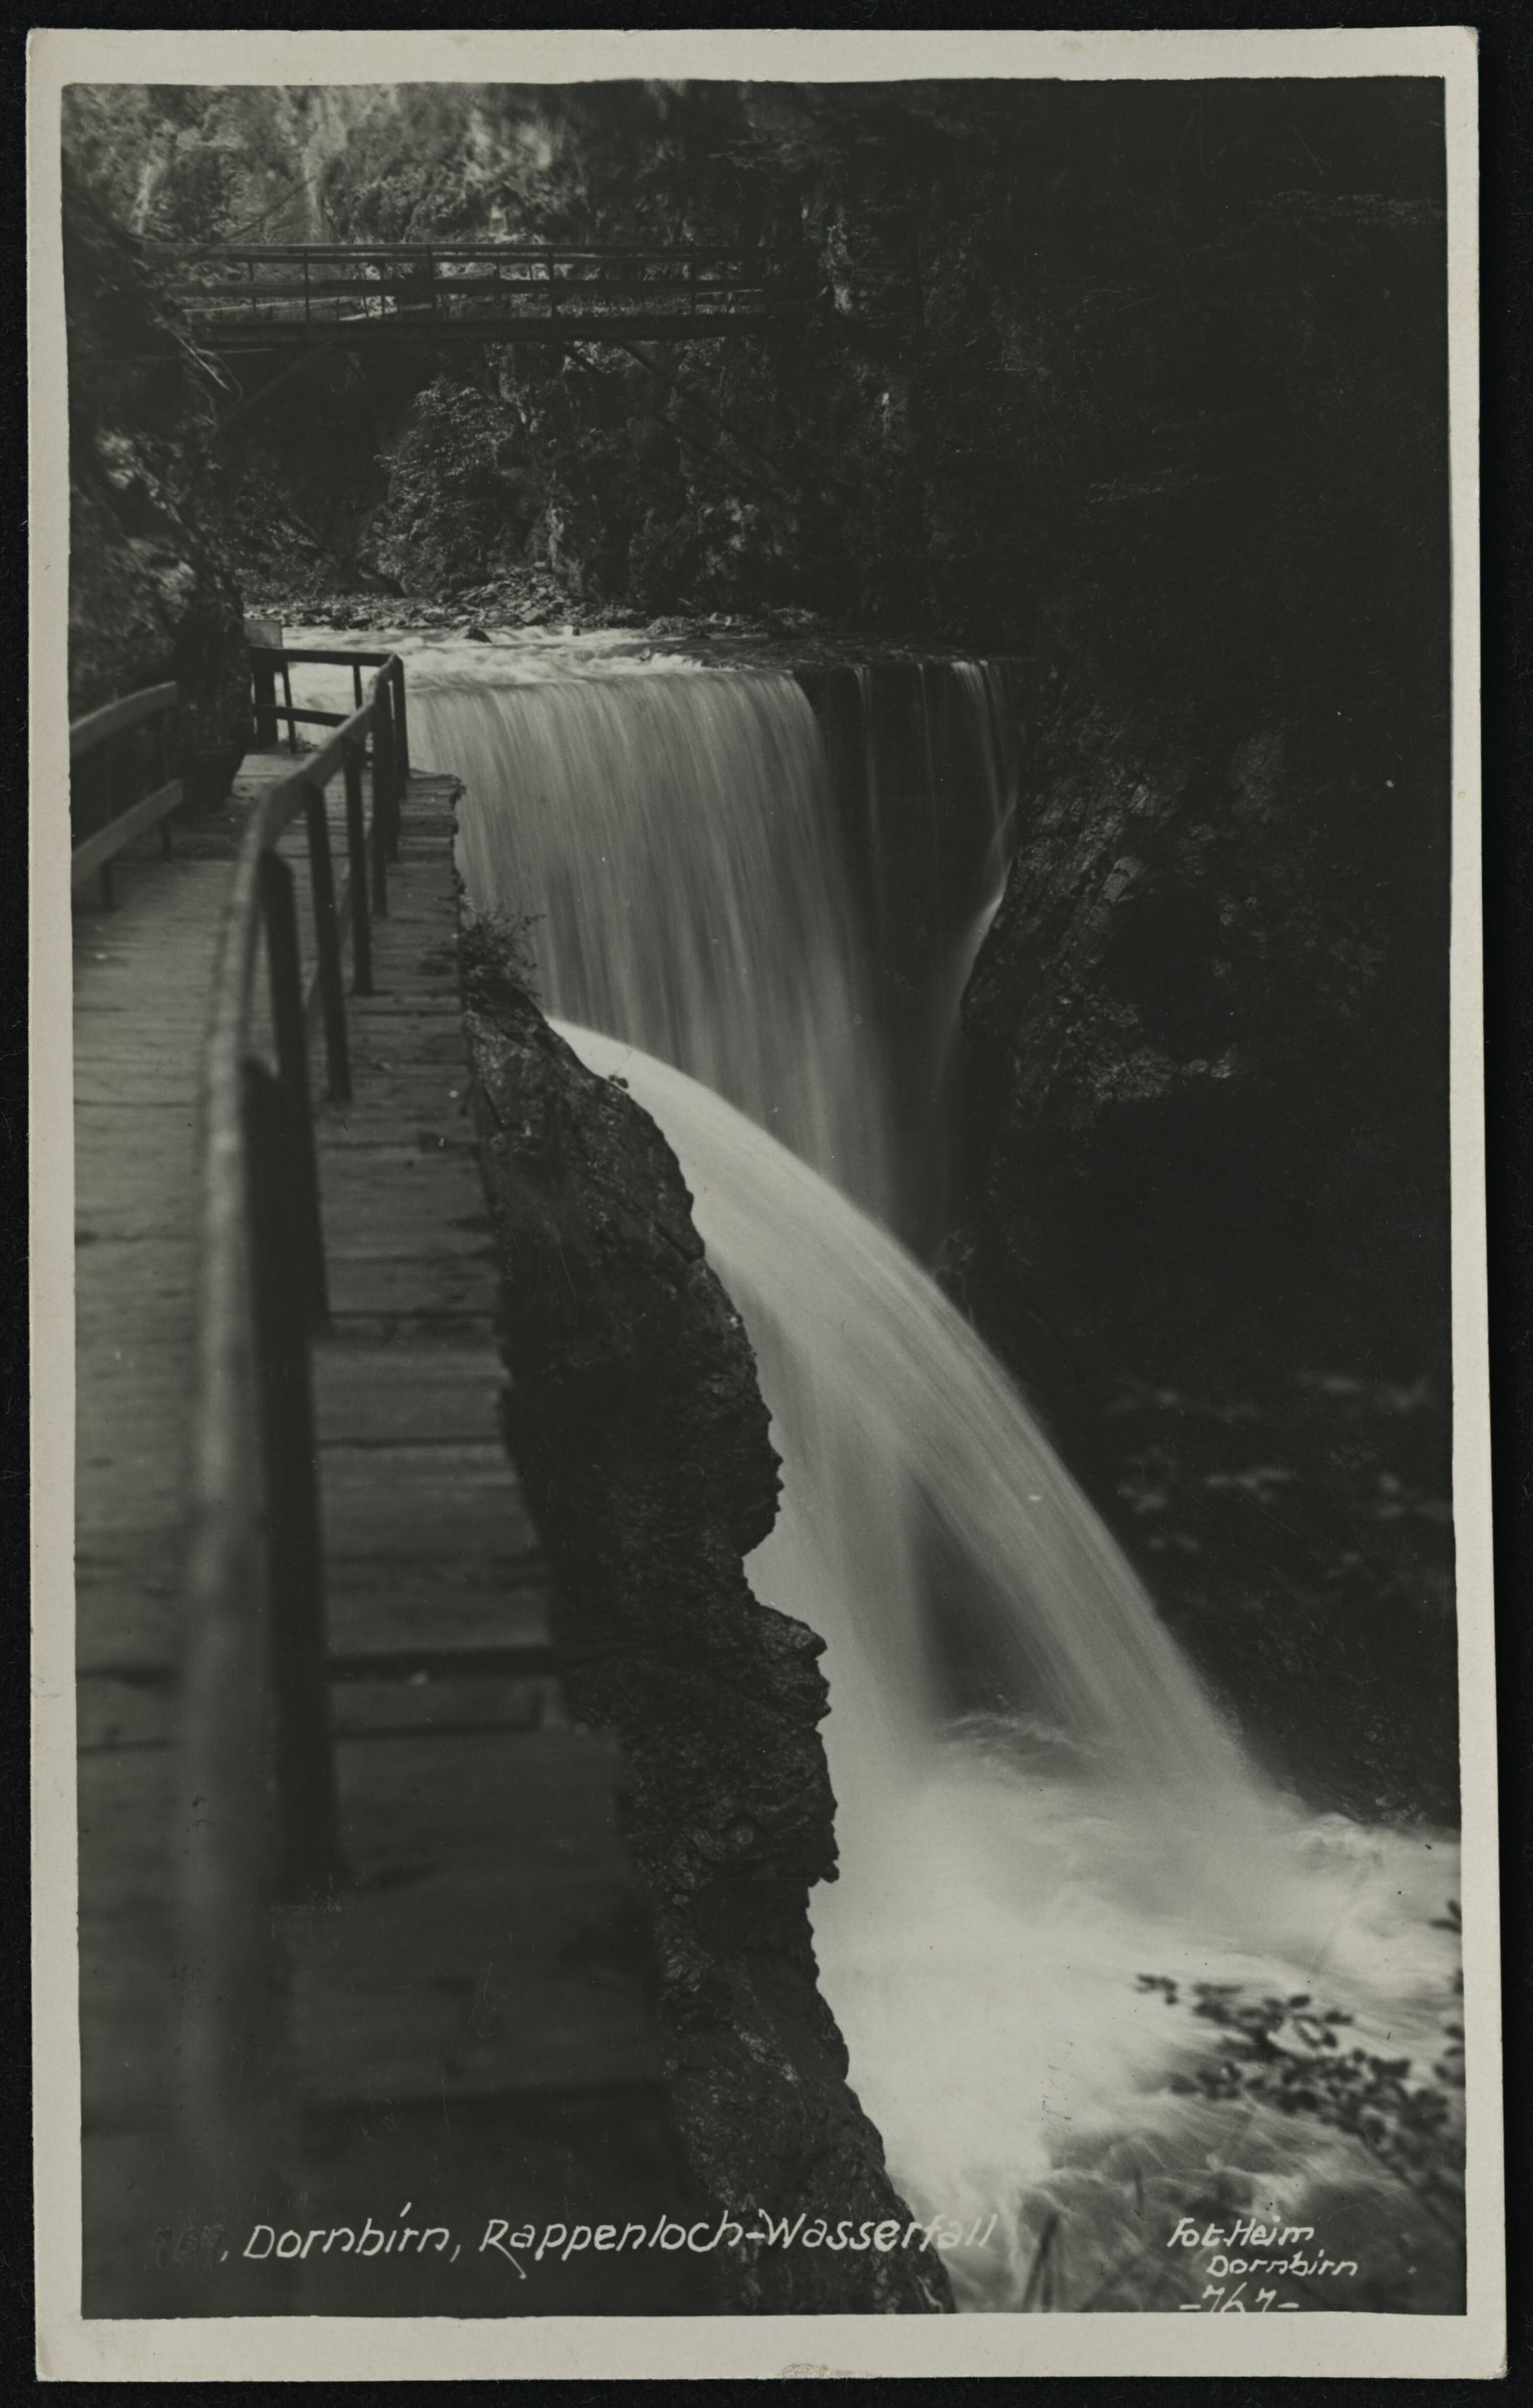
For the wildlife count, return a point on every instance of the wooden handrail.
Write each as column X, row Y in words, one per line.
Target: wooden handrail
column 114, row 718
column 313, row 656
column 723, row 267
column 204, row 300
column 383, row 252
column 258, row 1816
column 89, row 735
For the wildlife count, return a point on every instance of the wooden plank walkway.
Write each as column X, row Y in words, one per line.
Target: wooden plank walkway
column 142, row 976
column 468, row 2026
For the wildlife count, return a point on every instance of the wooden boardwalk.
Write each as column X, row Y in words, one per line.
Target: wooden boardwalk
column 468, row 2027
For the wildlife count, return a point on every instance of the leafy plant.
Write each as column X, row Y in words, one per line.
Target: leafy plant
column 1288, row 2054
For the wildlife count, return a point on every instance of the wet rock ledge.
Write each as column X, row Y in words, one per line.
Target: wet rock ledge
column 634, row 1418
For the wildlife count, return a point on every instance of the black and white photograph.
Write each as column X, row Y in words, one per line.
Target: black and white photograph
column 776, row 1603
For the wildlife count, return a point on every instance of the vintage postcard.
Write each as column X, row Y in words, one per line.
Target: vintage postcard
column 764, row 1615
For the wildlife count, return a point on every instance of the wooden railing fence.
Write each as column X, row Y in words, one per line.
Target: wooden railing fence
column 243, row 295
column 259, row 1820
column 120, row 785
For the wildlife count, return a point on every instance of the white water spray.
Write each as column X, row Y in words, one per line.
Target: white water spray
column 1006, row 1875
column 1005, row 1882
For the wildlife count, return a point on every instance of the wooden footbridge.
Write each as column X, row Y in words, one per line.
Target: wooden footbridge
column 359, row 1941
column 298, row 296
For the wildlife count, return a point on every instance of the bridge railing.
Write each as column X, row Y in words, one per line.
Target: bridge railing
column 258, row 1815
column 240, row 289
column 119, row 781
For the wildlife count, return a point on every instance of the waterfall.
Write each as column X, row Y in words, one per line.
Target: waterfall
column 905, row 1447
column 671, row 841
column 1037, row 1801
column 1006, row 1878
column 687, row 872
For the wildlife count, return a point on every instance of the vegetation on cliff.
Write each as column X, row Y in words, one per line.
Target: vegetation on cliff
column 152, row 594
column 1058, row 327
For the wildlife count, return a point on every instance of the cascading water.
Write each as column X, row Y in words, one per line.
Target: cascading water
column 673, row 839
column 1037, row 1803
column 671, row 834
column 1004, row 1880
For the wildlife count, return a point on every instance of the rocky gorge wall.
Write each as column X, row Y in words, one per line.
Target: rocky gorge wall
column 1205, row 1214
column 154, row 593
column 640, row 1435
column 1186, row 1164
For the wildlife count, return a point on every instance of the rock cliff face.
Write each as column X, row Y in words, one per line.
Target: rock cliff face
column 1206, row 1219
column 639, row 1428
column 151, row 594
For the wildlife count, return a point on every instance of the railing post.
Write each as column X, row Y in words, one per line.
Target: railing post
column 385, row 775
column 161, row 756
column 264, row 638
column 400, row 728
column 287, row 697
column 309, row 1850
column 280, row 912
column 322, row 881
column 108, row 893
column 378, row 845
column 356, row 853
